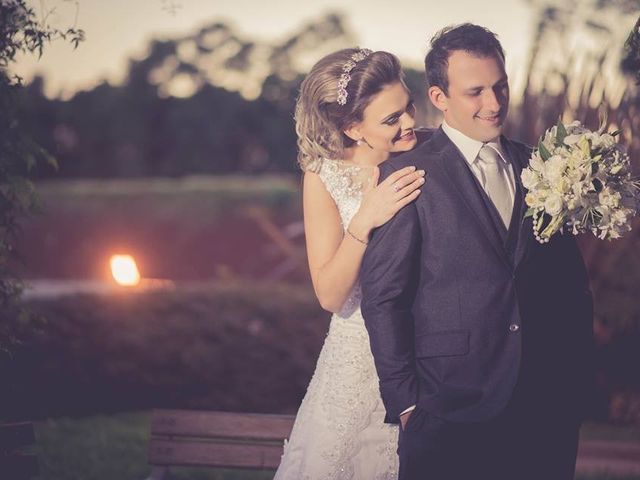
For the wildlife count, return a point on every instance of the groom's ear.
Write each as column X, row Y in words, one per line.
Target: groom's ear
column 438, row 98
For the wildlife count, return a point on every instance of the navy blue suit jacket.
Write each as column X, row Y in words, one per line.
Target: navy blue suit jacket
column 460, row 309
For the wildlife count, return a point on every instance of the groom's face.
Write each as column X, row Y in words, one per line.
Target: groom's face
column 477, row 100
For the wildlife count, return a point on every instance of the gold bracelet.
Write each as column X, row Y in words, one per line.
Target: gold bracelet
column 356, row 238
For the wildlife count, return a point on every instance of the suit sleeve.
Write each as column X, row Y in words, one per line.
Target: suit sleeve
column 389, row 279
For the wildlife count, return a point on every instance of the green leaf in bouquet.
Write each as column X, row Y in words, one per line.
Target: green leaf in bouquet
column 615, row 169
column 544, row 153
column 529, row 212
column 585, row 146
column 553, row 226
column 561, row 133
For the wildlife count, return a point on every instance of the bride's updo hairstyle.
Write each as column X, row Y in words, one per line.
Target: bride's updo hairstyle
column 323, row 111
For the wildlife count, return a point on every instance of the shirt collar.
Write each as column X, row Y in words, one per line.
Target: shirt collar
column 468, row 146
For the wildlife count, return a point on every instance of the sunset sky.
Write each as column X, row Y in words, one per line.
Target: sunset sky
column 117, row 30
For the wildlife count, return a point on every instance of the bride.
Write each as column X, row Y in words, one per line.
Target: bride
column 354, row 109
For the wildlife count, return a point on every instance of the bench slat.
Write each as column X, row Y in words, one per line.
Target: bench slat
column 14, row 435
column 211, row 454
column 610, row 450
column 618, row 467
column 208, row 424
column 19, row 466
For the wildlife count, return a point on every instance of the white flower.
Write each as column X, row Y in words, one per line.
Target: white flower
column 530, row 178
column 620, row 216
column 554, row 167
column 535, row 199
column 578, row 189
column 572, row 139
column 601, row 141
column 553, row 204
column 575, row 173
column 536, row 163
column 609, row 198
column 573, row 202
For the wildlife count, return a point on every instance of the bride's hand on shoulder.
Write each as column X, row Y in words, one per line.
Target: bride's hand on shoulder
column 380, row 202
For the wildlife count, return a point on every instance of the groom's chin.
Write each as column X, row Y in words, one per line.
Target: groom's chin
column 488, row 133
column 490, row 130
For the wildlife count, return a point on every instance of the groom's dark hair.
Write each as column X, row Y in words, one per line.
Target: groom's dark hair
column 473, row 39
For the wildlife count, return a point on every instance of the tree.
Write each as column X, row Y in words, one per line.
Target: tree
column 20, row 32
column 631, row 60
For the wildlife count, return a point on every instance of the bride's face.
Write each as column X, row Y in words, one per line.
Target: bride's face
column 388, row 121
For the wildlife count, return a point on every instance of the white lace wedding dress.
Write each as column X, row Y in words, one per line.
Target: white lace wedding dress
column 339, row 432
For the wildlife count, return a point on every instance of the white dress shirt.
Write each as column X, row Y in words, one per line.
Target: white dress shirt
column 470, row 149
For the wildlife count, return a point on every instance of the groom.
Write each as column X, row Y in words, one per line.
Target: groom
column 481, row 336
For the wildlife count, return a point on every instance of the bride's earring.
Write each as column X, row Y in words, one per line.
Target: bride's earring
column 363, row 140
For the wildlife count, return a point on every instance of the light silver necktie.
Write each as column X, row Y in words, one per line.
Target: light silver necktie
column 496, row 185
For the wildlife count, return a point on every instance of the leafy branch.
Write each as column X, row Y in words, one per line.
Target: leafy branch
column 20, row 32
column 631, row 60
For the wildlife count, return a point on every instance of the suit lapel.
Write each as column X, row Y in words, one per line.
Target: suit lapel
column 519, row 161
column 464, row 182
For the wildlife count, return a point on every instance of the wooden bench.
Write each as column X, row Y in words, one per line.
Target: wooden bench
column 254, row 441
column 15, row 463
column 216, row 439
column 613, row 457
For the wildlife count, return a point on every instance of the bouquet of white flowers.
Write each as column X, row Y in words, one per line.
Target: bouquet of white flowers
column 581, row 180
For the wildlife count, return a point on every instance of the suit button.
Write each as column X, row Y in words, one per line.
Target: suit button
column 514, row 328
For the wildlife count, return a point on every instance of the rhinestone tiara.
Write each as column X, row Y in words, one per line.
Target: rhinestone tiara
column 345, row 78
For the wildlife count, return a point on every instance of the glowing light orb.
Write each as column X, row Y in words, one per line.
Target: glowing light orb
column 124, row 270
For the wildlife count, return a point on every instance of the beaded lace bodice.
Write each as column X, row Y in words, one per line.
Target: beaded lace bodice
column 339, row 433
column 346, row 182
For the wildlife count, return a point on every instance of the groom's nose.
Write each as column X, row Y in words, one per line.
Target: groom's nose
column 496, row 99
column 491, row 100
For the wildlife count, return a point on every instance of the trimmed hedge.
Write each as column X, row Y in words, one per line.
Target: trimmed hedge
column 243, row 347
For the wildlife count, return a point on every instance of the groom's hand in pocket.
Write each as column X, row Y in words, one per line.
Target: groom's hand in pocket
column 404, row 418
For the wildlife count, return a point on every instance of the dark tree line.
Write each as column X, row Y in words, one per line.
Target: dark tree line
column 239, row 118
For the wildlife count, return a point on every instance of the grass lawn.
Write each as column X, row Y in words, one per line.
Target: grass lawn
column 108, row 447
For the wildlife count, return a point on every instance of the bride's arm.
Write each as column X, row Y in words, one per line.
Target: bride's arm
column 335, row 257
